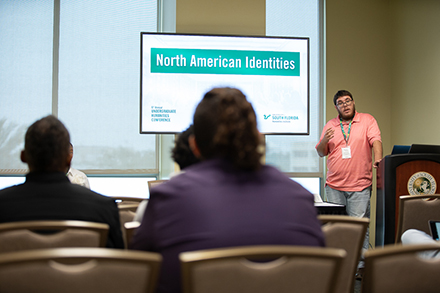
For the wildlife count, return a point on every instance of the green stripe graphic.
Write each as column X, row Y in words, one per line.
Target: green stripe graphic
column 202, row 61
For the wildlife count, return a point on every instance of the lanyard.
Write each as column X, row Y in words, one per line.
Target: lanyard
column 346, row 136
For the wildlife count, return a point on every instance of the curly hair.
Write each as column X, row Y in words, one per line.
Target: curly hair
column 47, row 143
column 225, row 126
column 182, row 153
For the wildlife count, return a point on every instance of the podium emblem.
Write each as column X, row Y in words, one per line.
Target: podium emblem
column 422, row 183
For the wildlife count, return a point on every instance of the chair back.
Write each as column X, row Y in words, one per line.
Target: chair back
column 128, row 207
column 397, row 268
column 154, row 183
column 123, row 201
column 255, row 269
column 126, row 215
column 347, row 233
column 73, row 270
column 26, row 235
column 130, row 229
column 415, row 211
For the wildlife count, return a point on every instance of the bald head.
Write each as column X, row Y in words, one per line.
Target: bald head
column 47, row 144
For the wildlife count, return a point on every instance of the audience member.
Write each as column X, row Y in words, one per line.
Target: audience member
column 229, row 198
column 76, row 176
column 414, row 236
column 47, row 194
column 182, row 155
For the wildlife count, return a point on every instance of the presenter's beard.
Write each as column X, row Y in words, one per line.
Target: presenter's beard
column 349, row 115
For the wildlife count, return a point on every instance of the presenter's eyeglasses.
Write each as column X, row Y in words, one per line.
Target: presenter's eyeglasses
column 347, row 102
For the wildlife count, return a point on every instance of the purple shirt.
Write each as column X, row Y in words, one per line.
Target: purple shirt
column 213, row 205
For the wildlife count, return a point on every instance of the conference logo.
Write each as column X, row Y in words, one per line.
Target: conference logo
column 280, row 118
column 422, row 183
column 159, row 114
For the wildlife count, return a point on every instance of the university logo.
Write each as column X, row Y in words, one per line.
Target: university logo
column 421, row 183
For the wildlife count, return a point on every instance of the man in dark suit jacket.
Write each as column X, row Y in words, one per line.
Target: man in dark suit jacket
column 47, row 193
column 228, row 199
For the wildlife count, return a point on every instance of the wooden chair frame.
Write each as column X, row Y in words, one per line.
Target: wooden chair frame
column 100, row 228
column 356, row 227
column 122, row 200
column 130, row 229
column 153, row 183
column 190, row 259
column 401, row 264
column 403, row 200
column 76, row 256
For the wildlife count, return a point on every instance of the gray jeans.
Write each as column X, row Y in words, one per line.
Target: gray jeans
column 357, row 204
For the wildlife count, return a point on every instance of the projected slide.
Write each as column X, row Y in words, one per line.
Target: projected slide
column 177, row 70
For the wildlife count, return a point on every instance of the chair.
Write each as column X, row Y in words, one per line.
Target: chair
column 234, row 270
column 130, row 228
column 73, row 270
column 128, row 207
column 154, row 183
column 397, row 268
column 415, row 211
column 122, row 201
column 25, row 235
column 126, row 214
column 347, row 233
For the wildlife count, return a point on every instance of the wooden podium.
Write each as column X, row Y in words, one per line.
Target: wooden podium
column 416, row 172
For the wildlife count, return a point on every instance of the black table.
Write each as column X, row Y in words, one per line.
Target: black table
column 328, row 208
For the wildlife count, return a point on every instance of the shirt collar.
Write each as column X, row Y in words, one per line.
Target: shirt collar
column 46, row 177
column 355, row 118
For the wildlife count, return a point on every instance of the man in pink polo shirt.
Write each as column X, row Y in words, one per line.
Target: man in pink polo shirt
column 347, row 140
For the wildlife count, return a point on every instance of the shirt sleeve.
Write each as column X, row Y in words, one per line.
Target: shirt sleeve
column 327, row 126
column 373, row 131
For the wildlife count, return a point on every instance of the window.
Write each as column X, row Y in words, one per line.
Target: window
column 296, row 155
column 91, row 81
column 93, row 86
column 25, row 74
column 99, row 84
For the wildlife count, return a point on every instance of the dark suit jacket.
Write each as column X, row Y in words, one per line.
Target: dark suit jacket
column 51, row 196
column 213, row 205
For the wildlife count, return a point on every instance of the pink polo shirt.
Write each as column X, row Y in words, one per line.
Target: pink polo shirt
column 354, row 174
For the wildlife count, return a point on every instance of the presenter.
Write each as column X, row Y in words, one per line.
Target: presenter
column 347, row 140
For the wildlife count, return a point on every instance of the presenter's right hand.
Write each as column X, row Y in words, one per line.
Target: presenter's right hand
column 329, row 133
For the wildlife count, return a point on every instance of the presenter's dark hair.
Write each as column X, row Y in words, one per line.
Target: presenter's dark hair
column 341, row 93
column 182, row 153
column 46, row 145
column 225, row 126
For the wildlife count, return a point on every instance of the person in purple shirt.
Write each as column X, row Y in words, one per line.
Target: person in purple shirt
column 229, row 198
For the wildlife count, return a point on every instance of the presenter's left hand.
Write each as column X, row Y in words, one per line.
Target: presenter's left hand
column 376, row 164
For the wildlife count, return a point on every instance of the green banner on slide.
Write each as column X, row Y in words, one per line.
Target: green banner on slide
column 201, row 61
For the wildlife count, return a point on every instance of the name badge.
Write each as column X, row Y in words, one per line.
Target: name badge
column 346, row 153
